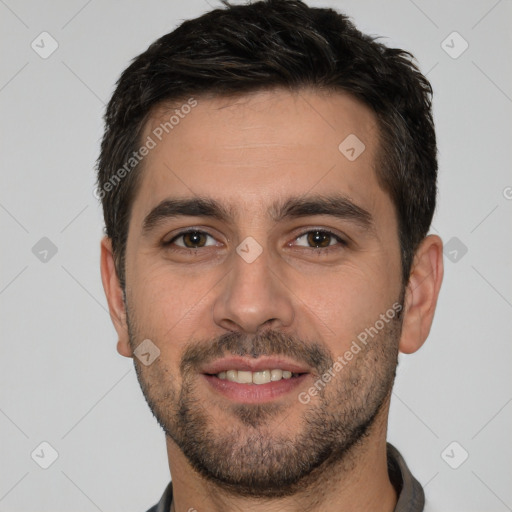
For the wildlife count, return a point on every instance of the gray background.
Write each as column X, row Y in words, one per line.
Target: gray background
column 62, row 381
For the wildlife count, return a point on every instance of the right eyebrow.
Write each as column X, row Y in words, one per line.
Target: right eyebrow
column 193, row 207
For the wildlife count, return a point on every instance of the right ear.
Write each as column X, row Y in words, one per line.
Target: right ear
column 114, row 294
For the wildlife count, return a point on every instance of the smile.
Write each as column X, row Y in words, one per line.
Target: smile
column 261, row 377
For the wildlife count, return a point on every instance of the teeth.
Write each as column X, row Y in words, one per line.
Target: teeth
column 261, row 377
column 244, row 377
column 276, row 375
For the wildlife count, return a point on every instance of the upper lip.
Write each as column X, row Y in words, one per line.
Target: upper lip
column 252, row 365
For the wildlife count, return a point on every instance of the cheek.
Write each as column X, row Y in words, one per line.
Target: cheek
column 341, row 303
column 171, row 306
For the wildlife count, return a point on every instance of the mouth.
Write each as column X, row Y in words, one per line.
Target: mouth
column 254, row 381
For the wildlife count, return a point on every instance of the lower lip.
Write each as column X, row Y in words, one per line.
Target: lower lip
column 255, row 393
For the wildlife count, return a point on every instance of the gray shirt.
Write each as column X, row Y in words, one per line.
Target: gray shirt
column 410, row 493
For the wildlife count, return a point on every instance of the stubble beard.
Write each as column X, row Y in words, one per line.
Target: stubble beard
column 251, row 458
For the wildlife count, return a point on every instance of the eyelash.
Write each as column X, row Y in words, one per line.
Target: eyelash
column 328, row 249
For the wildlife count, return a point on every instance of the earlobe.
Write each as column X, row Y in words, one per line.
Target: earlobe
column 114, row 294
column 421, row 294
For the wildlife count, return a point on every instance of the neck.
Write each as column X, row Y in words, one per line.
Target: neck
column 357, row 483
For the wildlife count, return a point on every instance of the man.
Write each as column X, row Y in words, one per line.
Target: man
column 268, row 179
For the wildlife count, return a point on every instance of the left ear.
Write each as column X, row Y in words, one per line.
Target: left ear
column 421, row 294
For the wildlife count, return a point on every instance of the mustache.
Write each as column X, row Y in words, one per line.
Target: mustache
column 269, row 343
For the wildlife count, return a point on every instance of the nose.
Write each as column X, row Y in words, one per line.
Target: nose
column 253, row 297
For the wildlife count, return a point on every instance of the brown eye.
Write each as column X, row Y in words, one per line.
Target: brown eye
column 319, row 238
column 191, row 240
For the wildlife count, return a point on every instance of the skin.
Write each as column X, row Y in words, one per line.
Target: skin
column 248, row 153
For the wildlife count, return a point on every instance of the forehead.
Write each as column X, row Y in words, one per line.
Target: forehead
column 250, row 150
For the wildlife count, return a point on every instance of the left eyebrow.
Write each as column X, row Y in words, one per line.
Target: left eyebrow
column 337, row 206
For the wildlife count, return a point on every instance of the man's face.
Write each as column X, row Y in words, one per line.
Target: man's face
column 270, row 279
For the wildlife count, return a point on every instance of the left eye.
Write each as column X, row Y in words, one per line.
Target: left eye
column 191, row 240
column 319, row 239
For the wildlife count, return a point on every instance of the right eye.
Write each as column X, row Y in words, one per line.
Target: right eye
column 191, row 239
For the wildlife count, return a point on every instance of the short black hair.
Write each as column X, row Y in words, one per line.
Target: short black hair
column 271, row 44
